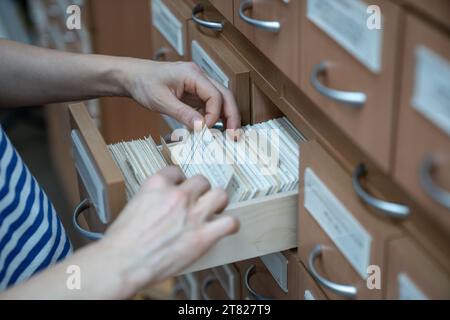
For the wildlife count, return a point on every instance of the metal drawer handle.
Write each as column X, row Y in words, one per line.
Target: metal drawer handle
column 353, row 99
column 207, row 282
column 389, row 209
column 80, row 208
column 160, row 54
column 438, row 194
column 270, row 26
column 340, row 289
column 249, row 273
column 214, row 25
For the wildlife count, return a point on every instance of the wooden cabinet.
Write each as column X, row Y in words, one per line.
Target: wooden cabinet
column 220, row 283
column 422, row 164
column 307, row 287
column 413, row 274
column 274, row 28
column 338, row 239
column 211, row 53
column 225, row 7
column 348, row 71
column 439, row 10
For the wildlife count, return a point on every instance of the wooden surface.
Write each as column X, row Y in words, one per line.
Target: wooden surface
column 437, row 10
column 267, row 225
column 407, row 257
column 307, row 283
column 112, row 177
column 282, row 48
column 225, row 7
column 333, row 265
column 418, row 137
column 371, row 126
column 263, row 108
column 229, row 62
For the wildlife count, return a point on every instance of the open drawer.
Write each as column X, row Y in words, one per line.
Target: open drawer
column 267, row 225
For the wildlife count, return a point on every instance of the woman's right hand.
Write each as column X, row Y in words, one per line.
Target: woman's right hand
column 167, row 226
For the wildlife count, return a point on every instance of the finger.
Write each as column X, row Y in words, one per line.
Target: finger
column 205, row 90
column 195, row 187
column 210, row 233
column 169, row 176
column 181, row 111
column 212, row 202
column 229, row 105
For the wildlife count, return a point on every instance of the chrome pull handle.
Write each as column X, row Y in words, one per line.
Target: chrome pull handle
column 214, row 25
column 438, row 194
column 389, row 209
column 249, row 273
column 353, row 99
column 79, row 209
column 207, row 282
column 270, row 26
column 340, row 289
column 160, row 54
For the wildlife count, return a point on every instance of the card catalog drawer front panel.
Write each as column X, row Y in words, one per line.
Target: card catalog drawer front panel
column 439, row 10
column 273, row 26
column 338, row 237
column 348, row 68
column 222, row 64
column 210, row 286
column 413, row 274
column 308, row 288
column 423, row 145
column 225, row 8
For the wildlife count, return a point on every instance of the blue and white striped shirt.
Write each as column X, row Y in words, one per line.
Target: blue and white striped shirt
column 31, row 234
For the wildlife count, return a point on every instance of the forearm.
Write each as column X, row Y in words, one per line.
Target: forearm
column 101, row 277
column 31, row 76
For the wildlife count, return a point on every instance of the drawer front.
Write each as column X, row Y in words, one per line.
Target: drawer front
column 220, row 283
column 338, row 238
column 423, row 142
column 222, row 64
column 263, row 109
column 169, row 31
column 273, row 26
column 307, row 287
column 258, row 283
column 225, row 7
column 210, row 287
column 439, row 10
column 412, row 274
column 350, row 75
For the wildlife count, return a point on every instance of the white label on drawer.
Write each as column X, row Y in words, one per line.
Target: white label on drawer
column 432, row 88
column 339, row 224
column 207, row 64
column 346, row 21
column 168, row 25
column 407, row 290
column 277, row 264
column 308, row 295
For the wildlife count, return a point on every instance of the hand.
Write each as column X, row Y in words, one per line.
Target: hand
column 166, row 227
column 160, row 86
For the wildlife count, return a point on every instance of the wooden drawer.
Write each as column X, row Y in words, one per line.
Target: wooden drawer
column 169, row 30
column 263, row 18
column 220, row 62
column 356, row 90
column 338, row 237
column 267, row 224
column 258, row 283
column 438, row 10
column 422, row 164
column 225, row 7
column 412, row 273
column 307, row 287
column 263, row 108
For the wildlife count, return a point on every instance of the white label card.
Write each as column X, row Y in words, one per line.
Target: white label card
column 432, row 88
column 346, row 22
column 338, row 223
column 168, row 25
column 207, row 64
column 407, row 290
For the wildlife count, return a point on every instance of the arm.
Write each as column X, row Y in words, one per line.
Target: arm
column 163, row 229
column 33, row 76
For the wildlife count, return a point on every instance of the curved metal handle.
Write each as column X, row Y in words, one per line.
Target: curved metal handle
column 159, row 54
column 207, row 282
column 340, row 289
column 214, row 25
column 270, row 26
column 353, row 99
column 438, row 194
column 389, row 209
column 80, row 208
column 249, row 273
